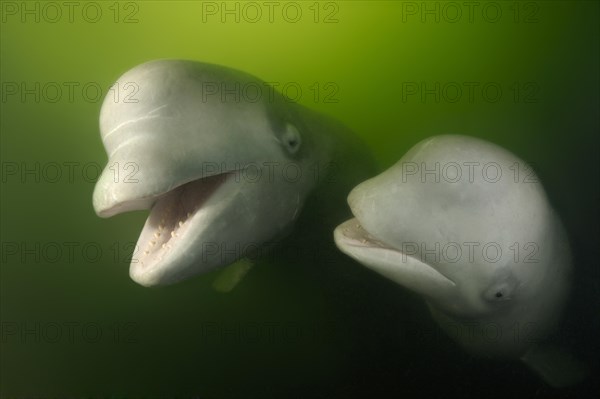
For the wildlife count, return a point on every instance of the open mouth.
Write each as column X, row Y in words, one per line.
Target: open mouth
column 171, row 218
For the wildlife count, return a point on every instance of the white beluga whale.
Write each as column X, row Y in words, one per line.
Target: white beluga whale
column 467, row 225
column 224, row 163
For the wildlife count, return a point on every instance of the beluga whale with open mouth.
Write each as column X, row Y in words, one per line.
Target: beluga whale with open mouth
column 467, row 225
column 222, row 160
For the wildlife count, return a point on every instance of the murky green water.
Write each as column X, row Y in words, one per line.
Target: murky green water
column 521, row 74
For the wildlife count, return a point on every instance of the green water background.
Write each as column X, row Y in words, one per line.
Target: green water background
column 333, row 337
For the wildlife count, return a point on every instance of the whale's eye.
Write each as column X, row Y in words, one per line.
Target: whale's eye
column 291, row 139
column 498, row 292
column 502, row 289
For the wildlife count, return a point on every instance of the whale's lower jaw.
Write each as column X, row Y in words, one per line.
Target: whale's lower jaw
column 352, row 239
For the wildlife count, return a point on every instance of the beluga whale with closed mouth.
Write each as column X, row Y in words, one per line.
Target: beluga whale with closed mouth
column 222, row 160
column 467, row 225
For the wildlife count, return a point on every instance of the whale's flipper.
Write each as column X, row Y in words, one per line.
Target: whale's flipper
column 231, row 275
column 556, row 366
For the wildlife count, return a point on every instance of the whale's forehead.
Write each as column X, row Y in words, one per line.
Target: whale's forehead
column 162, row 99
column 451, row 191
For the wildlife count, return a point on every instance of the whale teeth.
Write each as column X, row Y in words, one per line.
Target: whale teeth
column 173, row 234
column 181, row 223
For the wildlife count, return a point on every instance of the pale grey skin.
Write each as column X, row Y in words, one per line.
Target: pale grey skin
column 191, row 155
column 492, row 306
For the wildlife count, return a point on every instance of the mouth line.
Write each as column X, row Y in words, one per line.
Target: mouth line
column 170, row 218
column 355, row 235
column 358, row 236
